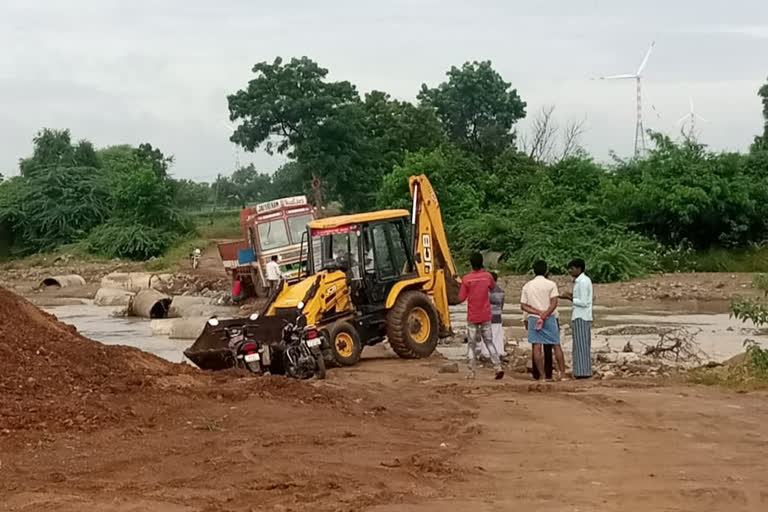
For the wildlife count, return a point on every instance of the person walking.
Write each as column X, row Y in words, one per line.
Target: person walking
column 273, row 274
column 539, row 300
column 475, row 289
column 497, row 328
column 581, row 319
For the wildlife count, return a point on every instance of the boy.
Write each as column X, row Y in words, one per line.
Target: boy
column 475, row 289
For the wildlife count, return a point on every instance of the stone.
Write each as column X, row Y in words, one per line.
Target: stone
column 449, row 368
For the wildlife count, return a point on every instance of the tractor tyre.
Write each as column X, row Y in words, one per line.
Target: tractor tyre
column 345, row 344
column 412, row 326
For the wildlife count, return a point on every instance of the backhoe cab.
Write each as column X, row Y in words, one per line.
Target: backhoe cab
column 373, row 276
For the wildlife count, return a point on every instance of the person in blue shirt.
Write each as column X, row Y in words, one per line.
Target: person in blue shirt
column 581, row 319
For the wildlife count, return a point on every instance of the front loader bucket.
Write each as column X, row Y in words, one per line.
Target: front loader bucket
column 210, row 350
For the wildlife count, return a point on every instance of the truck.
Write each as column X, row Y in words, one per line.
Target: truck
column 272, row 228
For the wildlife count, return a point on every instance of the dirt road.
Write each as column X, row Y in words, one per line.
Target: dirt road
column 392, row 435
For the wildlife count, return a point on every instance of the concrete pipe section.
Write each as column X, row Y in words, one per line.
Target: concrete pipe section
column 134, row 281
column 150, row 304
column 62, row 281
column 186, row 306
column 113, row 297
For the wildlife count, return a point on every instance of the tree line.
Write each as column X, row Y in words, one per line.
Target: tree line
column 528, row 196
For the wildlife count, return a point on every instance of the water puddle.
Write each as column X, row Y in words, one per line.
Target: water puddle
column 718, row 337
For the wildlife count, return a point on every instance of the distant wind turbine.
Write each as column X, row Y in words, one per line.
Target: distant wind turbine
column 690, row 118
column 637, row 76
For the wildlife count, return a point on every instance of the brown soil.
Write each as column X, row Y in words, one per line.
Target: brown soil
column 87, row 427
column 53, row 378
column 393, row 435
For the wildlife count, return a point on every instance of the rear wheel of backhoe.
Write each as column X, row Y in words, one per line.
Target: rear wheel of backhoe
column 345, row 343
column 412, row 326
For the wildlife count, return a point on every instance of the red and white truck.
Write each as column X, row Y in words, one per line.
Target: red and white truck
column 270, row 228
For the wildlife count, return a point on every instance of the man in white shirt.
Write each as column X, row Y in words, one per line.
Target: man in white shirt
column 539, row 300
column 581, row 319
column 273, row 274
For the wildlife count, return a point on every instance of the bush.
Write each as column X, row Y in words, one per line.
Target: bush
column 132, row 241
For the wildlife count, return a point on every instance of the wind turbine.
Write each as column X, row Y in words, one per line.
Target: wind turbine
column 639, row 130
column 690, row 117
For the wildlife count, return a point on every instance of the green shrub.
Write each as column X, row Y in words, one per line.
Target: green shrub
column 132, row 241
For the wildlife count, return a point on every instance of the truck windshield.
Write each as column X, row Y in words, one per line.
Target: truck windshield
column 297, row 226
column 273, row 235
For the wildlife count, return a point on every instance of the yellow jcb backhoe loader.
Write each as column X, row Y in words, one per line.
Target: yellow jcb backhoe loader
column 371, row 276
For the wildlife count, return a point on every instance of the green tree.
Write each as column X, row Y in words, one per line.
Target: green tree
column 761, row 141
column 477, row 108
column 288, row 180
column 682, row 193
column 191, row 195
column 51, row 148
column 251, row 186
column 291, row 108
column 456, row 176
column 59, row 205
column 155, row 158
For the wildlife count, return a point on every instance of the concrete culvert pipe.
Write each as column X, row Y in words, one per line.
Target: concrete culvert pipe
column 186, row 306
column 150, row 304
column 187, row 328
column 131, row 281
column 113, row 297
column 62, row 281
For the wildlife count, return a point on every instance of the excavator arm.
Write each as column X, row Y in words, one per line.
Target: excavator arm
column 431, row 252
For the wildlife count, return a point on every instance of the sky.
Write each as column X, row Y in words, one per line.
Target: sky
column 127, row 72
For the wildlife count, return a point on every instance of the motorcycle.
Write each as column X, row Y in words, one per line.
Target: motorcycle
column 301, row 347
column 195, row 257
column 246, row 352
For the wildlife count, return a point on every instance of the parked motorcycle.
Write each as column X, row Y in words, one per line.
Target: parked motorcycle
column 195, row 257
column 246, row 351
column 301, row 347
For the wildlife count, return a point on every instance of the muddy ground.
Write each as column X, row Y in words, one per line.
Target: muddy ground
column 394, row 435
column 400, row 436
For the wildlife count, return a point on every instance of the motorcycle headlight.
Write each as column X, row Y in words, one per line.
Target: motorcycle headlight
column 300, row 305
column 213, row 322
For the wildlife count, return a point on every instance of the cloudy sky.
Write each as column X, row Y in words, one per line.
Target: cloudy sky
column 118, row 71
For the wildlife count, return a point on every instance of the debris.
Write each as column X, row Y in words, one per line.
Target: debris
column 449, row 368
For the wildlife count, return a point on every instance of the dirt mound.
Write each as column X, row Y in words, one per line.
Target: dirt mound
column 52, row 378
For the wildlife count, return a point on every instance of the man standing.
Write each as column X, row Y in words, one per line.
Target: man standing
column 539, row 300
column 581, row 323
column 273, row 274
column 497, row 328
column 475, row 289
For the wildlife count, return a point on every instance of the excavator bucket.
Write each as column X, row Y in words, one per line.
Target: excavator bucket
column 210, row 351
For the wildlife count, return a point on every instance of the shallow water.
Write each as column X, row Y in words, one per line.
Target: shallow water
column 717, row 336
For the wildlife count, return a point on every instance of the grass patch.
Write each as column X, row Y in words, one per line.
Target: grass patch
column 77, row 251
column 178, row 253
column 223, row 225
column 753, row 259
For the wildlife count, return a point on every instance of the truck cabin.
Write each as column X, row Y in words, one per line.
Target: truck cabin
column 276, row 228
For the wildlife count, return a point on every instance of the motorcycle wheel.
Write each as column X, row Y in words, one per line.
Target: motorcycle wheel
column 320, row 366
column 254, row 368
